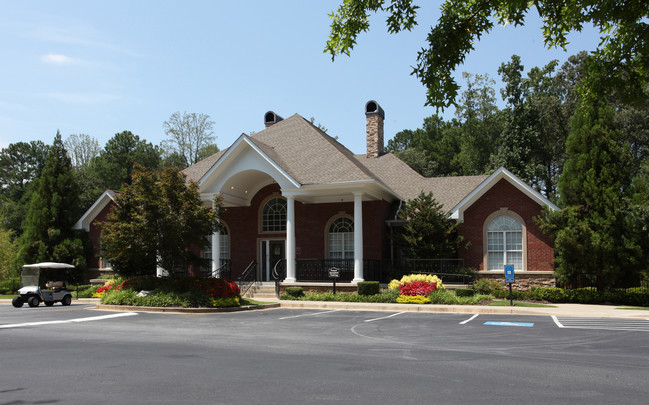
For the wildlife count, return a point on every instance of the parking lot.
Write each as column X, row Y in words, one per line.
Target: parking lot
column 78, row 355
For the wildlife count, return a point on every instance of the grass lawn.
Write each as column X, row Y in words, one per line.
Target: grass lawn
column 7, row 297
column 247, row 301
column 519, row 304
column 636, row 308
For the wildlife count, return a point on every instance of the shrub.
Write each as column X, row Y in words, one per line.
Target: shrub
column 120, row 297
column 86, row 291
column 10, row 286
column 171, row 291
column 388, row 296
column 464, row 292
column 295, row 292
column 415, row 288
column 445, row 297
column 413, row 299
column 368, row 288
column 486, row 286
column 517, row 295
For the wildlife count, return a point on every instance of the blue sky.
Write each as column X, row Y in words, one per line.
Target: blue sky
column 102, row 67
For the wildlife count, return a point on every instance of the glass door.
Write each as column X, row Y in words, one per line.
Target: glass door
column 270, row 252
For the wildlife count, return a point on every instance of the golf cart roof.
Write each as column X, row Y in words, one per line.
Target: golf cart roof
column 50, row 265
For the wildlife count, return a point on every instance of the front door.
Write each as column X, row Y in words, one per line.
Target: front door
column 271, row 251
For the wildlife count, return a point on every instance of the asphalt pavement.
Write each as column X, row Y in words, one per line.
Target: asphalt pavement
column 573, row 310
column 78, row 355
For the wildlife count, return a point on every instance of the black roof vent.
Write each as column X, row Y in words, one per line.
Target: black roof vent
column 372, row 107
column 271, row 118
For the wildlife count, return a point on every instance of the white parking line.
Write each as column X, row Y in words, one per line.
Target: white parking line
column 469, row 320
column 317, row 313
column 76, row 320
column 556, row 320
column 385, row 317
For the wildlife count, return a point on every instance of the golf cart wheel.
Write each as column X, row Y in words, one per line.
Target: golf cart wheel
column 48, row 303
column 67, row 300
column 17, row 302
column 33, row 302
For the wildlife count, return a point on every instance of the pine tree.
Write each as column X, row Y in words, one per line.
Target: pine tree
column 593, row 240
column 428, row 232
column 53, row 210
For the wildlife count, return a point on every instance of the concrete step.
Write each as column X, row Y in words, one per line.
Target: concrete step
column 261, row 290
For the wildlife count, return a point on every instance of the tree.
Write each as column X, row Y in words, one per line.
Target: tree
column 53, row 210
column 593, row 235
column 20, row 164
column 114, row 166
column 481, row 125
column 82, row 149
column 7, row 252
column 428, row 231
column 160, row 221
column 532, row 143
column 621, row 60
column 187, row 135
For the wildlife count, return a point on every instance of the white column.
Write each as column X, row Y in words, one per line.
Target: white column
column 290, row 240
column 358, row 237
column 216, row 253
column 216, row 247
column 159, row 271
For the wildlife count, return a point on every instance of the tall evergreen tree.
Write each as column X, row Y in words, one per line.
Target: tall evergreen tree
column 53, row 210
column 428, row 232
column 593, row 239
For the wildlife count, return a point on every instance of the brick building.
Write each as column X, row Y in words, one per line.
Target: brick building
column 293, row 192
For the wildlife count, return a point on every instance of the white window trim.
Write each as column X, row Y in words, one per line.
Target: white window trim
column 327, row 233
column 485, row 241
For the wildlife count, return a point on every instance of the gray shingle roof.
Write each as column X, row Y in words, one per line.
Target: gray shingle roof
column 312, row 157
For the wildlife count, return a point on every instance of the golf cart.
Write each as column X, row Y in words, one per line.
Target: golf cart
column 30, row 283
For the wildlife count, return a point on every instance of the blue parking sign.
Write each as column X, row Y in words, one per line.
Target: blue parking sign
column 509, row 274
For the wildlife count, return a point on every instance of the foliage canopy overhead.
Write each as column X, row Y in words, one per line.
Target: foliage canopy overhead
column 621, row 61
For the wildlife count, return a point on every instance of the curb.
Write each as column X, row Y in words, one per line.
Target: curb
column 427, row 308
column 128, row 308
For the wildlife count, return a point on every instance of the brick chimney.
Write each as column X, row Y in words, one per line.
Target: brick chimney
column 374, row 116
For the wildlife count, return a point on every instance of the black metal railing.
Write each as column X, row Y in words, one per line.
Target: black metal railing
column 450, row 271
column 278, row 274
column 248, row 278
column 225, row 270
column 317, row 270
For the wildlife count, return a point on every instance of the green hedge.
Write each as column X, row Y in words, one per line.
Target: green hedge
column 294, row 292
column 464, row 292
column 368, row 288
column 579, row 296
column 388, row 296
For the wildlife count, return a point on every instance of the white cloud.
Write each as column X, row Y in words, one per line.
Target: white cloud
column 58, row 59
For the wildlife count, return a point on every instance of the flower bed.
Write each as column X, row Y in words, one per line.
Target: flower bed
column 186, row 292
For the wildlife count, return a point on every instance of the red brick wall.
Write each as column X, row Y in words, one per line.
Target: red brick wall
column 310, row 228
column 94, row 234
column 540, row 253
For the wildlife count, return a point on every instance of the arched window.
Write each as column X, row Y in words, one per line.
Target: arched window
column 273, row 216
column 341, row 239
column 504, row 243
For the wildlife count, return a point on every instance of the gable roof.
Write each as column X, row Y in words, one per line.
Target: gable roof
column 310, row 157
column 92, row 212
column 457, row 211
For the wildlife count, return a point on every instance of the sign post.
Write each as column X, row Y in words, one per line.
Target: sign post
column 509, row 278
column 334, row 273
